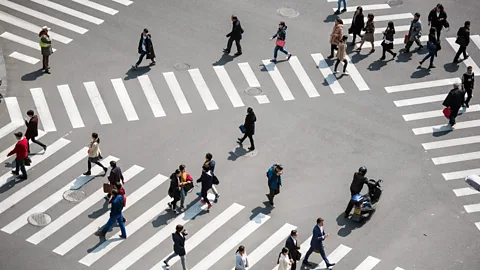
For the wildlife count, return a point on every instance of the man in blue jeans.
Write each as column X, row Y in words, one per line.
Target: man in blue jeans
column 344, row 6
column 317, row 244
column 115, row 215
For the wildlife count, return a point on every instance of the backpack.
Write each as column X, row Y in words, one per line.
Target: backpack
column 273, row 166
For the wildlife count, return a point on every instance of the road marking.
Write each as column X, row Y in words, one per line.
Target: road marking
column 234, row 240
column 398, row 268
column 123, row 2
column 478, row 225
column 97, row 103
column 70, row 106
column 456, row 158
column 421, row 85
column 8, row 129
column 419, row 100
column 459, row 174
column 96, row 6
column 398, row 28
column 396, row 41
column 327, row 73
column 355, row 75
column 366, row 7
column 262, row 99
column 91, row 228
column 390, row 17
column 303, row 77
column 25, row 58
column 177, row 93
column 476, row 40
column 78, row 209
column 467, row 62
column 205, row 232
column 43, row 17
column 228, row 86
column 54, row 198
column 42, row 109
column 43, row 180
column 151, row 96
column 438, row 113
column 26, row 42
column 303, row 248
column 252, row 81
column 71, row 12
column 203, row 90
column 278, row 80
column 472, row 208
column 452, row 142
column 3, row 154
column 459, row 192
column 445, row 127
column 368, row 264
column 336, row 255
column 16, row 120
column 124, row 99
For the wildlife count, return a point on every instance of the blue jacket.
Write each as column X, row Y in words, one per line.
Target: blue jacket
column 274, row 181
column 317, row 237
column 117, row 206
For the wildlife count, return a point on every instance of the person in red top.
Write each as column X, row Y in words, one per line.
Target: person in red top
column 21, row 151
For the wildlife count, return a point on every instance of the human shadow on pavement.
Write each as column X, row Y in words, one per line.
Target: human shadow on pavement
column 421, row 72
column 134, row 73
column 224, row 60
column 266, row 210
column 378, row 64
column 403, row 57
column 348, row 225
column 451, row 67
column 239, row 151
column 32, row 76
column 163, row 219
column 357, row 56
column 97, row 213
column 439, row 132
column 330, row 18
column 11, row 182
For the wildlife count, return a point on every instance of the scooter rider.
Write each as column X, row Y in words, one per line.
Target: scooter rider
column 359, row 180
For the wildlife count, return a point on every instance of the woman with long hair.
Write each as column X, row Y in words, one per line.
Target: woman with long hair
column 94, row 154
column 369, row 31
column 387, row 43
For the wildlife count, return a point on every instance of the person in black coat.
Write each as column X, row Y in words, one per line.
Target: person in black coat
column 358, row 23
column 249, row 125
column 174, row 190
column 207, row 181
column 293, row 248
column 437, row 18
column 468, row 82
column 234, row 35
column 356, row 187
column 454, row 101
column 387, row 43
column 463, row 39
column 433, row 46
column 145, row 47
column 32, row 130
column 178, row 238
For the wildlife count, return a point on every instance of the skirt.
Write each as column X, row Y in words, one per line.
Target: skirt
column 368, row 37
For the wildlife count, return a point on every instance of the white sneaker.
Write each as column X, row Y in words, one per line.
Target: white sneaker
column 346, row 73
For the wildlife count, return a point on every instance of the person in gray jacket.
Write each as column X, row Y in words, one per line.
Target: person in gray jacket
column 46, row 48
column 414, row 33
column 178, row 238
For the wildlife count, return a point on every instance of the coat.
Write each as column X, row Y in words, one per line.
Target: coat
column 241, row 262
column 20, row 149
column 358, row 23
column 237, row 30
column 94, row 149
column 207, row 181
column 438, row 22
column 454, row 99
column 337, row 34
column 415, row 30
column 432, row 44
column 148, row 46
column 249, row 124
column 293, row 248
column 115, row 176
column 179, row 244
column 317, row 238
column 174, row 189
column 45, row 38
column 117, row 205
column 281, row 33
column 357, row 183
column 387, row 42
column 284, row 263
column 274, row 180
column 32, row 127
column 464, row 33
column 342, row 51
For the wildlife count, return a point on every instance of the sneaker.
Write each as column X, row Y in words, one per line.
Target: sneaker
column 421, row 63
column 45, row 148
column 330, row 56
column 394, row 55
column 288, row 56
column 382, row 58
column 198, row 193
column 182, row 208
column 166, row 264
column 105, row 170
column 251, row 148
column 134, row 67
column 122, row 236
column 431, row 66
column 346, row 73
column 216, row 196
column 87, row 173
column 14, row 172
column 273, row 60
column 420, row 47
column 169, row 205
column 176, row 212
column 466, row 57
column 226, row 51
column 337, row 12
column 344, row 10
column 238, row 54
column 209, row 206
column 466, row 105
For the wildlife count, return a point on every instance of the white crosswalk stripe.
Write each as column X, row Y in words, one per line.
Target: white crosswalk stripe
column 467, row 62
column 451, row 142
column 368, row 264
column 97, row 103
column 203, row 89
column 382, row 18
column 459, row 192
column 252, row 81
column 124, row 99
column 228, row 86
column 367, row 7
column 303, row 77
column 278, row 80
column 438, row 113
column 25, row 58
column 177, row 93
column 456, row 158
column 459, row 174
column 70, row 106
column 123, row 2
column 69, row 11
column 355, row 75
column 419, row 100
column 327, row 73
column 16, row 119
column 96, row 6
column 20, row 40
column 472, row 208
column 43, row 110
column 445, row 127
column 151, row 96
column 336, row 255
column 421, row 85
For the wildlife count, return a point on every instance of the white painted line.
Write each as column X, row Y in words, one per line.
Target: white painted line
column 467, row 62
column 303, row 248
column 396, row 41
column 228, row 86
column 355, row 75
column 54, row 198
column 43, row 17
column 78, row 209
column 390, row 17
column 478, row 225
column 438, row 113
column 96, row 6
column 421, row 85
column 205, row 232
column 249, row 75
column 14, row 110
column 151, row 96
column 459, row 174
column 303, row 77
column 70, row 106
column 97, row 103
column 25, row 58
column 476, row 40
column 272, row 241
column 459, row 192
column 278, row 80
column 368, row 264
column 445, row 127
column 43, row 180
column 472, row 208
column 203, row 90
column 31, row 27
column 336, row 255
column 232, row 242
column 123, row 2
column 262, row 99
column 177, row 93
column 419, row 100
column 398, row 268
column 8, row 129
column 398, row 28
column 91, row 228
column 366, row 8
column 3, row 154
column 72, row 12
column 42, row 109
column 18, row 39
column 150, row 243
column 456, row 158
column 327, row 73
column 452, row 142
column 124, row 99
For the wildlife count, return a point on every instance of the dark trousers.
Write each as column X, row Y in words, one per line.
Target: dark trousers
column 462, row 49
column 37, row 142
column 333, row 47
column 174, row 202
column 439, row 30
column 140, row 58
column 469, row 95
column 386, row 50
column 250, row 137
column 237, row 43
column 453, row 115
column 410, row 43
column 272, row 194
column 431, row 55
column 355, row 37
column 45, row 62
column 20, row 164
column 322, row 253
column 345, row 63
column 350, row 204
column 204, row 193
column 89, row 164
column 119, row 219
column 294, row 265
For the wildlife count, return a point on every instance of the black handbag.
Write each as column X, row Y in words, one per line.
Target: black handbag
column 188, row 187
column 215, row 180
column 461, row 41
column 350, row 30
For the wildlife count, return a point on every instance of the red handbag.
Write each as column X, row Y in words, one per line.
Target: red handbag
column 280, row 43
column 447, row 111
column 405, row 39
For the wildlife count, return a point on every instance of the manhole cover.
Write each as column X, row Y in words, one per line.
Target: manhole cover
column 253, row 91
column 395, row 3
column 39, row 219
column 74, row 195
column 181, row 66
column 288, row 12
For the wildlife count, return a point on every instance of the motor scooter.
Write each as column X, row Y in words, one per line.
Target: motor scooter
column 365, row 205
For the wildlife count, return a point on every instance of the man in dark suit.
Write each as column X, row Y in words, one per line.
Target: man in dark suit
column 316, row 243
column 293, row 246
column 32, row 130
column 235, row 34
column 437, row 18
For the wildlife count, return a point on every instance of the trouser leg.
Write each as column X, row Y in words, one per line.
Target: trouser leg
column 121, row 225
column 345, row 64
column 173, row 255
column 214, row 189
column 239, row 47
column 183, row 261
column 336, row 64
column 252, row 143
column 182, row 197
column 229, row 44
column 324, row 256
column 469, row 95
column 307, row 255
column 140, row 58
column 244, row 137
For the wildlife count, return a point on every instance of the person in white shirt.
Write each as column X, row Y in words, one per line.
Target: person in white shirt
column 241, row 260
column 284, row 263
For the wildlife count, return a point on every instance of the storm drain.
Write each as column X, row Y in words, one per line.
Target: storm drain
column 39, row 219
column 395, row 3
column 253, row 91
column 181, row 66
column 74, row 195
column 288, row 12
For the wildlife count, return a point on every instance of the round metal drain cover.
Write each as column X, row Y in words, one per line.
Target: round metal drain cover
column 395, row 3
column 253, row 91
column 74, row 195
column 181, row 66
column 39, row 219
column 288, row 12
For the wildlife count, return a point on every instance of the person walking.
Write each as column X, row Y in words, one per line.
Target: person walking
column 145, row 47
column 358, row 23
column 185, row 180
column 21, row 153
column 32, row 130
column 433, row 47
column 46, row 48
column 115, row 176
column 316, row 243
column 335, row 36
column 206, row 179
column 281, row 36
column 115, row 215
column 463, row 39
column 249, row 126
column 178, row 238
column 468, row 80
column 234, row 35
column 414, row 33
column 454, row 101
column 211, row 165
column 94, row 154
column 121, row 191
column 293, row 249
column 387, row 43
column 241, row 259
column 437, row 18
column 174, row 190
column 274, row 176
column 341, row 55
column 356, row 187
column 284, row 263
column 338, row 11
column 369, row 31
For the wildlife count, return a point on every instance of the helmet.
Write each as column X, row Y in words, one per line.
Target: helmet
column 362, row 170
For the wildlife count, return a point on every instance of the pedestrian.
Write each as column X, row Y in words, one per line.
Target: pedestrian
column 241, row 259
column 234, row 35
column 468, row 80
column 32, row 130
column 437, row 18
column 414, row 33
column 387, row 43
column 115, row 215
column 211, row 165
column 293, row 249
column 145, row 47
column 341, row 55
column 115, row 176
column 178, row 238
column 316, row 244
column 274, row 176
column 454, row 101
column 174, row 190
column 249, row 126
column 284, row 263
column 46, row 48
column 281, row 36
column 206, row 179
column 463, row 39
column 121, row 191
column 369, row 31
column 21, row 153
column 433, row 47
column 185, row 179
column 356, row 187
column 335, row 36
column 339, row 5
column 94, row 154
column 358, row 23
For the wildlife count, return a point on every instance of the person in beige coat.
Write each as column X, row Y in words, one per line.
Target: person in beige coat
column 341, row 55
column 336, row 36
column 284, row 263
column 94, row 154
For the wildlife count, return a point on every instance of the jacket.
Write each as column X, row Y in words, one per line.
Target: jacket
column 45, row 38
column 20, row 149
column 415, row 30
column 32, row 127
column 358, row 23
column 432, row 44
column 341, row 51
column 211, row 163
column 281, row 33
column 357, row 183
column 148, row 46
column 464, row 33
column 249, row 124
column 337, row 34
column 207, row 180
column 115, row 175
column 241, row 262
column 317, row 238
column 292, row 248
column 369, row 27
column 388, row 35
column 274, row 180
column 237, row 30
column 121, row 192
column 94, row 149
column 174, row 189
column 468, row 81
column 179, row 243
column 454, row 99
column 284, row 262
column 117, row 205
column 437, row 22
